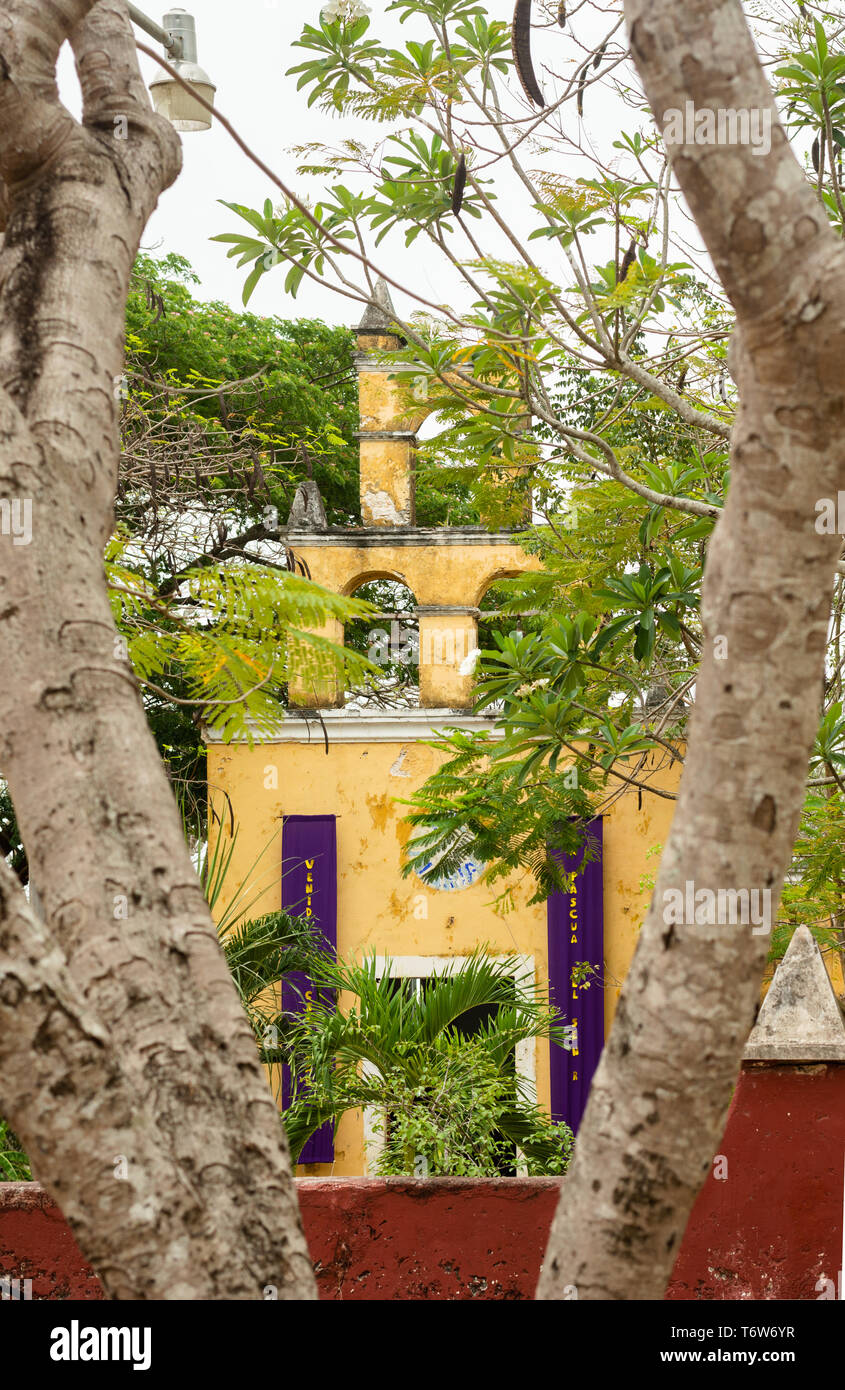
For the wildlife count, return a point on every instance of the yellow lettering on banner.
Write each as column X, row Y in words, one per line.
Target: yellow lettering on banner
column 309, row 863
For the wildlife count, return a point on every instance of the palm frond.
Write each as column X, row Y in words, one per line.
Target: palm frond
column 259, row 952
column 480, row 980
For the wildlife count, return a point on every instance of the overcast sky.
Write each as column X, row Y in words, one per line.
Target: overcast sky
column 246, row 46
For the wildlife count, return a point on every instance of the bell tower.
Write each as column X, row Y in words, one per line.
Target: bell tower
column 448, row 569
column 386, row 445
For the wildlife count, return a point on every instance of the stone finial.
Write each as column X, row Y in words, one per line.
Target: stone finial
column 379, row 319
column 800, row 1020
column 307, row 512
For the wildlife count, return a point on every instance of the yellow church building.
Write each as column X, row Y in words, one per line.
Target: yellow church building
column 349, row 766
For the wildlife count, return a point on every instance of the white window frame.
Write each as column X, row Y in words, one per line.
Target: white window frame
column 427, row 967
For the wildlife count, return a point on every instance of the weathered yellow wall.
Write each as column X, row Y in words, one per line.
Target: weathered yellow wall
column 386, row 486
column 319, row 686
column 380, row 911
column 446, row 643
column 386, row 401
column 435, row 574
column 386, row 496
column 454, row 577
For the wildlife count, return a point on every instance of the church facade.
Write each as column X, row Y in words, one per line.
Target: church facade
column 333, row 776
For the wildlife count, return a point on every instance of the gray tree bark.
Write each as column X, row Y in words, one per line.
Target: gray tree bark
column 127, row 1065
column 660, row 1096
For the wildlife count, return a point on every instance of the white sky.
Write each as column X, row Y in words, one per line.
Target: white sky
column 246, row 48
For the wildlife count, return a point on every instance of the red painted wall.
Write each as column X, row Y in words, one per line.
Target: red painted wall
column 36, row 1244
column 771, row 1230
column 774, row 1227
column 447, row 1238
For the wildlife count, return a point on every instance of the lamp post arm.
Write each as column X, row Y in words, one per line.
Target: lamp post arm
column 170, row 42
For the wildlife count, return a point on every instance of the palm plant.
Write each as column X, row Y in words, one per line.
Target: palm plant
column 260, row 953
column 448, row 1103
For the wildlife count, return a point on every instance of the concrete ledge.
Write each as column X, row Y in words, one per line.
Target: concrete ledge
column 367, row 537
column 358, row 725
column 447, row 610
column 384, row 434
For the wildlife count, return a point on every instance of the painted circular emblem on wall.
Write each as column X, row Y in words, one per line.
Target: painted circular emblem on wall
column 465, row 875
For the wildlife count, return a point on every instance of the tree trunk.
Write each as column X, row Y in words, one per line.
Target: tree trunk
column 144, row 1106
column 660, row 1096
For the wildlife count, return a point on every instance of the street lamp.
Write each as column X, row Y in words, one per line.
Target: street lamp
column 178, row 36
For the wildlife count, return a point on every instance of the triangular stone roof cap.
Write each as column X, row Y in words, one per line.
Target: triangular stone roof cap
column 800, row 1020
column 379, row 318
column 307, row 512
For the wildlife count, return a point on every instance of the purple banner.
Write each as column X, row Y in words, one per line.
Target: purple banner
column 576, row 933
column 309, row 889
